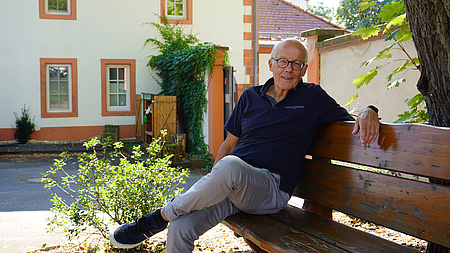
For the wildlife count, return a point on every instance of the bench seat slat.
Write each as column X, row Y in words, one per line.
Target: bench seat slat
column 413, row 207
column 273, row 236
column 410, row 148
column 296, row 230
column 335, row 233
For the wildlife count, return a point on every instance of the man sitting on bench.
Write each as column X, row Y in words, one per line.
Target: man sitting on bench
column 261, row 160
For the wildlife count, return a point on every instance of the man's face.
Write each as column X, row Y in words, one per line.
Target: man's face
column 287, row 78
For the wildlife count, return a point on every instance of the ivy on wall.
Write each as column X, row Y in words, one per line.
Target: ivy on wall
column 183, row 67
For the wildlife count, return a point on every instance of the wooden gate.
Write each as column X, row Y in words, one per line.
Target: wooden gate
column 164, row 116
column 160, row 112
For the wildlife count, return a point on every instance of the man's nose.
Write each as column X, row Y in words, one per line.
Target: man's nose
column 289, row 67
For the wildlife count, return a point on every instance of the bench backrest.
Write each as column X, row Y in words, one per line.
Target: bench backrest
column 403, row 203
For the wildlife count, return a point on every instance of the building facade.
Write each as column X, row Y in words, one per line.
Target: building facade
column 78, row 64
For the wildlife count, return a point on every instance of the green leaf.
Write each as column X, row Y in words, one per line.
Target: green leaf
column 381, row 55
column 352, row 99
column 415, row 100
column 415, row 114
column 367, row 32
column 365, row 78
column 396, row 83
column 407, row 63
column 399, row 20
column 366, row 4
column 406, row 115
column 391, row 10
column 401, row 34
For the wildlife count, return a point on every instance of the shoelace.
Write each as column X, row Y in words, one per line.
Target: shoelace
column 140, row 224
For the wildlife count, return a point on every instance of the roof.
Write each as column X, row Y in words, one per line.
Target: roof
column 279, row 19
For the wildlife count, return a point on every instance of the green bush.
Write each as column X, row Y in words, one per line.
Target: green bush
column 24, row 126
column 109, row 188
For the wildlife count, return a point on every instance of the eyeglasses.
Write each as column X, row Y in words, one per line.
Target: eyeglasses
column 283, row 63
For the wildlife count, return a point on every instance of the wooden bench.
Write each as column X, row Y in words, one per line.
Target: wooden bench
column 403, row 203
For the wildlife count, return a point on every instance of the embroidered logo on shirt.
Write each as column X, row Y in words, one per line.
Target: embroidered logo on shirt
column 294, row 107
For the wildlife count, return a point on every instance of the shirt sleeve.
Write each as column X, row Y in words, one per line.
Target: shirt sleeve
column 234, row 122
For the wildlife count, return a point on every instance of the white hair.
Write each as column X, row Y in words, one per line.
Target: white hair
column 289, row 40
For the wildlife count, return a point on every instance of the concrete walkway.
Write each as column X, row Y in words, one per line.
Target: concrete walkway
column 24, row 231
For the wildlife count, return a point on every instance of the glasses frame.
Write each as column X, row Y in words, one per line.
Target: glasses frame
column 289, row 62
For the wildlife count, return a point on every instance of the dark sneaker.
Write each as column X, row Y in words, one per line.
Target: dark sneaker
column 132, row 234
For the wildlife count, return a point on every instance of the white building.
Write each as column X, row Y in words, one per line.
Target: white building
column 58, row 59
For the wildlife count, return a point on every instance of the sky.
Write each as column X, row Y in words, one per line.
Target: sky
column 328, row 3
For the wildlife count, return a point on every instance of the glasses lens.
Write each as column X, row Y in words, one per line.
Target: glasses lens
column 297, row 65
column 282, row 63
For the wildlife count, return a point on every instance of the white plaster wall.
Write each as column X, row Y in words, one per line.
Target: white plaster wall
column 104, row 29
column 221, row 22
column 264, row 71
column 339, row 67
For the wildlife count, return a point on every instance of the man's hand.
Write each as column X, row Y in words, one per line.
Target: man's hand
column 368, row 125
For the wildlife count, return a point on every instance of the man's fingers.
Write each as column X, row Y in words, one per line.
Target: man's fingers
column 355, row 128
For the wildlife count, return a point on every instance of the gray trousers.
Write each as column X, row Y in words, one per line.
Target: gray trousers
column 232, row 186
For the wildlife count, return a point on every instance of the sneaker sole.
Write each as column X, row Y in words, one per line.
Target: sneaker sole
column 118, row 244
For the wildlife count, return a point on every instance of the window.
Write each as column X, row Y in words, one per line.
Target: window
column 59, row 88
column 177, row 11
column 57, row 9
column 118, row 87
column 58, row 83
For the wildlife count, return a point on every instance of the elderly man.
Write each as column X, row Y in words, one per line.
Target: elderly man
column 261, row 160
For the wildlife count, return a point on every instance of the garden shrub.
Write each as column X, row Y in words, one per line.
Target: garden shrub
column 24, row 126
column 108, row 187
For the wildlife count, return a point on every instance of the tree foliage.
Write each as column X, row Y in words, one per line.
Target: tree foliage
column 396, row 27
column 349, row 15
column 321, row 10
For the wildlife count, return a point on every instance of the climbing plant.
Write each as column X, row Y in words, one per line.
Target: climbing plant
column 183, row 67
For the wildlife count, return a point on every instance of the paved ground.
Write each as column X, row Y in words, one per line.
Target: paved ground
column 24, row 204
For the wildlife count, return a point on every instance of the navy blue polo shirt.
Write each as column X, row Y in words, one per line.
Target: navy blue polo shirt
column 276, row 136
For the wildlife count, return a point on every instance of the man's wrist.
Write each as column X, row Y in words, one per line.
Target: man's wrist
column 375, row 109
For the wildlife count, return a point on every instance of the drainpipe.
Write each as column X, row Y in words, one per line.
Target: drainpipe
column 255, row 42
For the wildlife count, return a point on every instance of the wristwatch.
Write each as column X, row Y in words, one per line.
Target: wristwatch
column 373, row 108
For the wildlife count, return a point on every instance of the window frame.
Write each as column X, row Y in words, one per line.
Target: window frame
column 46, row 111
column 182, row 17
column 186, row 20
column 116, row 111
column 126, row 80
column 48, row 87
column 71, row 14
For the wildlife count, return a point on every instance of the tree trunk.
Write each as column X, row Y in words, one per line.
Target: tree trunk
column 429, row 20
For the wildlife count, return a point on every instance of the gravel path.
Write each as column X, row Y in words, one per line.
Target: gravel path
column 221, row 239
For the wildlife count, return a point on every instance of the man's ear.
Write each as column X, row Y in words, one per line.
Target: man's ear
column 270, row 65
column 304, row 69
